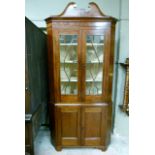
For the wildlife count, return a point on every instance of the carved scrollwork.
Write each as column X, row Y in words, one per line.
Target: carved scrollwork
column 72, row 10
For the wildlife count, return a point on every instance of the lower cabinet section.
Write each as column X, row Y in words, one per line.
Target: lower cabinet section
column 81, row 126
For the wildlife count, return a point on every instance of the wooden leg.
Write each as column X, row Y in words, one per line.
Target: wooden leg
column 103, row 148
column 58, row 148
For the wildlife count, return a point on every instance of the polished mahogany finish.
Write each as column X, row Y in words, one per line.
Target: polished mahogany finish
column 80, row 58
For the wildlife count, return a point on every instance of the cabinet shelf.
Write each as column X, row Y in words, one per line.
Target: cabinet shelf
column 69, row 62
column 68, row 44
column 94, row 62
column 95, row 44
column 75, row 80
column 90, row 80
column 72, row 79
column 75, row 44
column 75, row 62
column 69, row 81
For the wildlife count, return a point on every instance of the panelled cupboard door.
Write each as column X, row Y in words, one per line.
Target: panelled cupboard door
column 81, row 126
column 68, row 126
column 94, row 126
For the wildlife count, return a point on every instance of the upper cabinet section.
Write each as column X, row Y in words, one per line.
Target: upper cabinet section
column 81, row 42
column 74, row 13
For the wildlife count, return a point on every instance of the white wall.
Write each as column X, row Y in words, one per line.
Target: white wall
column 121, row 120
column 38, row 10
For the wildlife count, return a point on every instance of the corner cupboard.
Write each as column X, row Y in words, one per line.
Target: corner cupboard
column 80, row 58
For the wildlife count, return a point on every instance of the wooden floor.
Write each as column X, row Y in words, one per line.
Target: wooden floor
column 43, row 146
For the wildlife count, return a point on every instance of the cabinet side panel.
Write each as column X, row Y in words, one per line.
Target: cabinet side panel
column 111, row 59
column 111, row 69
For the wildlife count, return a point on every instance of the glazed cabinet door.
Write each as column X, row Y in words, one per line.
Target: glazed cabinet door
column 67, row 66
column 95, row 59
column 94, row 126
column 68, row 126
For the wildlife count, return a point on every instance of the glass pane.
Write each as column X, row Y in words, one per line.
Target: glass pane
column 68, row 64
column 94, row 64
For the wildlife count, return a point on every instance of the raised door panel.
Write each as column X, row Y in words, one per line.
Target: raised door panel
column 68, row 127
column 94, row 126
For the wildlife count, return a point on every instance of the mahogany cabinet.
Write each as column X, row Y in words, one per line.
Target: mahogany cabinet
column 80, row 68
